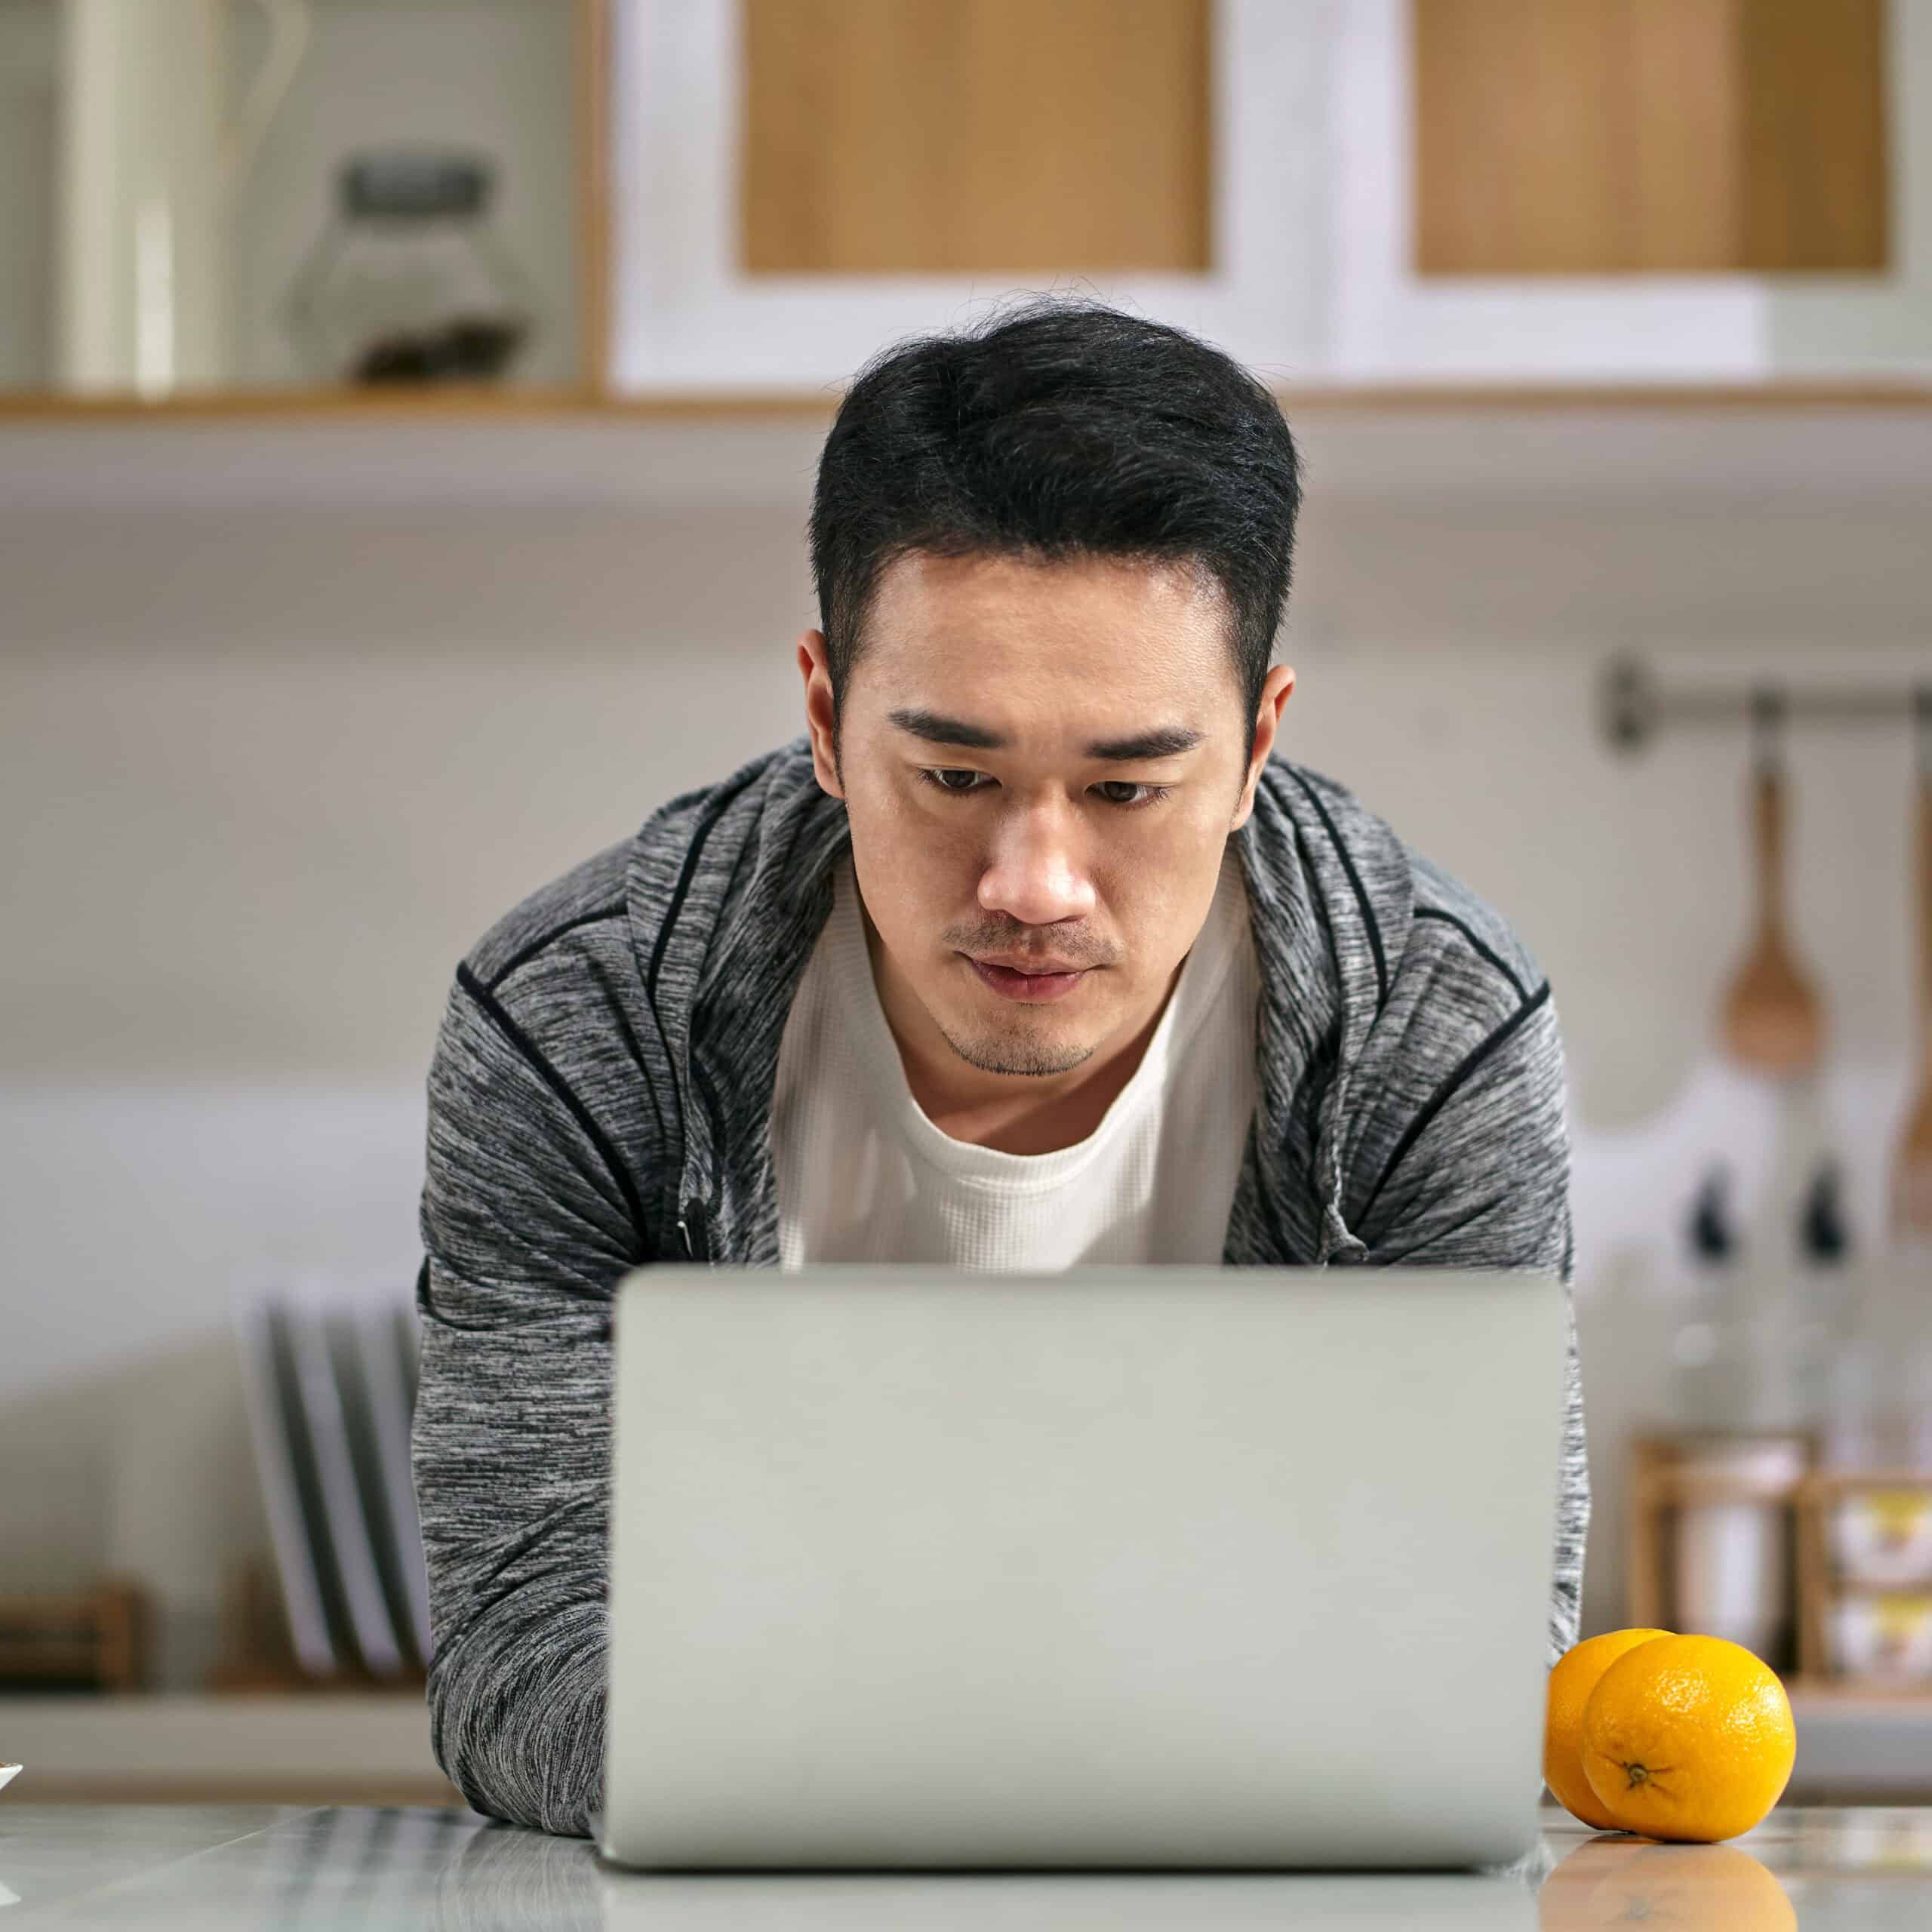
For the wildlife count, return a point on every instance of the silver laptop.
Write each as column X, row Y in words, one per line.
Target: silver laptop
column 1113, row 1568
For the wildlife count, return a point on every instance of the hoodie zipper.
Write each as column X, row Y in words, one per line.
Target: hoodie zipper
column 692, row 1224
column 696, row 1221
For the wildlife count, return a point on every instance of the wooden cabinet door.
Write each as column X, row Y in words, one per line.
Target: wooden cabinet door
column 1649, row 137
column 963, row 136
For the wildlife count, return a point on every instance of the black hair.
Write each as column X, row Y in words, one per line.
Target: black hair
column 1059, row 428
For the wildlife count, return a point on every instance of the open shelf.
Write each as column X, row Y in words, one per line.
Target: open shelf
column 520, row 85
column 493, row 403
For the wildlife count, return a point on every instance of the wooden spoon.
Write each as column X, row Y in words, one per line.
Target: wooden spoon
column 1911, row 1173
column 1773, row 1019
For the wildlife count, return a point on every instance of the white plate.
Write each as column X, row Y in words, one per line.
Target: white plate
column 6, row 1771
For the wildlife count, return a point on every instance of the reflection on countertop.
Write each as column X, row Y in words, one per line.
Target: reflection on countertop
column 381, row 1866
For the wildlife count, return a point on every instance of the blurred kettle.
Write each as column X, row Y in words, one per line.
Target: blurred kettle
column 150, row 164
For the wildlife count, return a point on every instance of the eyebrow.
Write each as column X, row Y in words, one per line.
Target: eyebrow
column 1164, row 741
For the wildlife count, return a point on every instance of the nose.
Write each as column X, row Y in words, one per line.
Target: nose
column 1034, row 875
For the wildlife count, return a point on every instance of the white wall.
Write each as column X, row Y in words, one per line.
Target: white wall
column 267, row 773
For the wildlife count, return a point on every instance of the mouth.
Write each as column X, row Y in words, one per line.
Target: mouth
column 1035, row 969
column 1031, row 987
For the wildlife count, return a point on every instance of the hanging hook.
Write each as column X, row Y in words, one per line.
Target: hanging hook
column 1767, row 718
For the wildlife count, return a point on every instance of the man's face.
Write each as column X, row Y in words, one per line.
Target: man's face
column 1042, row 763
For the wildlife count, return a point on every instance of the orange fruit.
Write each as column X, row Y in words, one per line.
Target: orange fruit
column 1570, row 1683
column 1624, row 1882
column 1688, row 1738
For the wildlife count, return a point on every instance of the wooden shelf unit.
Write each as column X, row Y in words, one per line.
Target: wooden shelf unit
column 1656, row 1487
column 1819, row 1581
column 95, row 1639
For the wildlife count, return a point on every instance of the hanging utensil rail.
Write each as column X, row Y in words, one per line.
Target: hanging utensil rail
column 1635, row 706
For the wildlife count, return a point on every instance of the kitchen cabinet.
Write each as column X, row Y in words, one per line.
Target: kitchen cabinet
column 704, row 301
column 1387, row 322
column 734, row 203
column 1311, row 275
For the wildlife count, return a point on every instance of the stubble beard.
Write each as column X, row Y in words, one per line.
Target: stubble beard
column 1015, row 1053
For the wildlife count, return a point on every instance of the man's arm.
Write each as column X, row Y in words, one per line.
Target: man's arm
column 1480, row 1179
column 526, row 1229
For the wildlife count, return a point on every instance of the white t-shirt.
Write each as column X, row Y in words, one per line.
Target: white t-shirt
column 863, row 1174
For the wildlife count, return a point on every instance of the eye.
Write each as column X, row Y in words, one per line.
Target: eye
column 938, row 776
column 1154, row 793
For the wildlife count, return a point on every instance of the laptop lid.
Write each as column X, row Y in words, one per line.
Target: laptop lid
column 1111, row 1567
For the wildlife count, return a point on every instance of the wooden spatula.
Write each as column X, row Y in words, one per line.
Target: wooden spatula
column 1773, row 1019
column 1911, row 1173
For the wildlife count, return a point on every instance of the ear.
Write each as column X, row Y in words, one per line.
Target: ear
column 1275, row 695
column 820, row 714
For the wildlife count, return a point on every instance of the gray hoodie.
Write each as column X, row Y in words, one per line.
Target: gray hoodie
column 600, row 1098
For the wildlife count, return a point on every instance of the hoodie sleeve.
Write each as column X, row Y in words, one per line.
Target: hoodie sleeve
column 528, row 1221
column 1479, row 1177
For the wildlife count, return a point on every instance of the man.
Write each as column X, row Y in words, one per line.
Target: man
column 1026, row 953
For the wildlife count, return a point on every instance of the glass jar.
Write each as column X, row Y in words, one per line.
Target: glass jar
column 409, row 283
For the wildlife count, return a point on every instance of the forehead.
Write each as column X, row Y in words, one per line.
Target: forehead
column 1096, row 633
